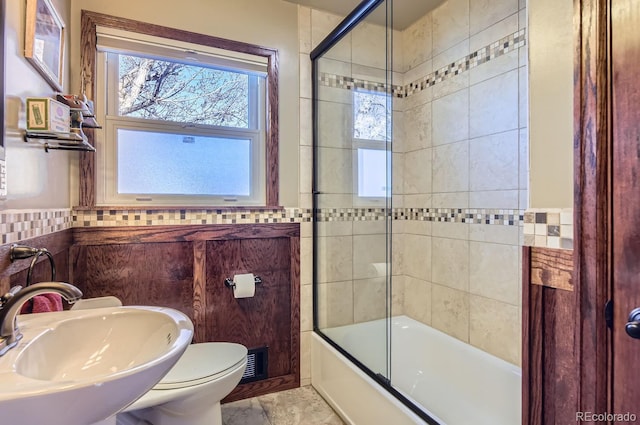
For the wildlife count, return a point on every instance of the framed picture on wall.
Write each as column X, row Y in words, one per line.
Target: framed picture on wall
column 44, row 41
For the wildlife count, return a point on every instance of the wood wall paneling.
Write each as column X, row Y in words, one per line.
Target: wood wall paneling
column 263, row 320
column 42, row 270
column 566, row 344
column 199, row 290
column 294, row 278
column 552, row 268
column 184, row 267
column 14, row 273
column 87, row 162
column 551, row 380
column 158, row 274
column 560, row 379
column 149, row 234
column 624, row 194
column 592, row 209
column 531, row 345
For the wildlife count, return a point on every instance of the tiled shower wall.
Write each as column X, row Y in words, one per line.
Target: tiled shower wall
column 463, row 146
column 351, row 235
column 459, row 168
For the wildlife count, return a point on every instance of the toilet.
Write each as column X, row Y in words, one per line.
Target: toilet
column 191, row 391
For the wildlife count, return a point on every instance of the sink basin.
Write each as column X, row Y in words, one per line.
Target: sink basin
column 81, row 367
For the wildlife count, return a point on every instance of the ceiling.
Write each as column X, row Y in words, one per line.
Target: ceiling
column 405, row 12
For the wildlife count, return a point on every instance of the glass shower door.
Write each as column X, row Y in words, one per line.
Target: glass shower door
column 352, row 190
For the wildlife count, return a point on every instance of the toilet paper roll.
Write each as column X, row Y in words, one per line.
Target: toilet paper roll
column 245, row 285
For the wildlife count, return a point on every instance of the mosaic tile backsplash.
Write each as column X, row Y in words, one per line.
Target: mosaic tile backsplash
column 449, row 215
column 158, row 217
column 550, row 228
column 99, row 217
column 16, row 225
column 480, row 56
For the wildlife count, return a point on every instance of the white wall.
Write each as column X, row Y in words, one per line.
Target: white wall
column 35, row 179
column 270, row 23
column 551, row 103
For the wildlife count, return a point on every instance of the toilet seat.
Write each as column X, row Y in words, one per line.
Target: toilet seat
column 202, row 363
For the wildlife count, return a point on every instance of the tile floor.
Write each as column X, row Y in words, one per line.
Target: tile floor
column 300, row 406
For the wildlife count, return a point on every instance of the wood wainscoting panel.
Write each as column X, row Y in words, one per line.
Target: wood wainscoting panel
column 199, row 290
column 157, row 274
column 592, row 203
column 294, row 278
column 550, row 370
column 42, row 270
column 182, row 233
column 262, row 320
column 184, row 267
column 552, row 268
column 15, row 273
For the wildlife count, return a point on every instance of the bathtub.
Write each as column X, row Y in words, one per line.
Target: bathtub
column 453, row 382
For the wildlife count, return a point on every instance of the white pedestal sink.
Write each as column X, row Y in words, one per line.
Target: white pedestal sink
column 81, row 367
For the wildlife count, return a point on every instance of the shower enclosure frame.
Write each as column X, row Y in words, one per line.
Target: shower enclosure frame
column 344, row 28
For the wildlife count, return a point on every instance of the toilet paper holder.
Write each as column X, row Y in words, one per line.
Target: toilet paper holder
column 229, row 283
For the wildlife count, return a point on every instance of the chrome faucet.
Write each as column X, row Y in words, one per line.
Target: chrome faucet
column 9, row 332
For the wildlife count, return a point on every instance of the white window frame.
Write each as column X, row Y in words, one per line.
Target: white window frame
column 106, row 144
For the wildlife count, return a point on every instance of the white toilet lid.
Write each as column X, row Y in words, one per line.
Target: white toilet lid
column 201, row 363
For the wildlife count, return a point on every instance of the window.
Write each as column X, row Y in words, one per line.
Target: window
column 371, row 132
column 184, row 124
column 217, row 165
column 181, row 130
column 371, row 117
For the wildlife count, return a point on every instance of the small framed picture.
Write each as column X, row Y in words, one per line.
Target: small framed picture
column 44, row 41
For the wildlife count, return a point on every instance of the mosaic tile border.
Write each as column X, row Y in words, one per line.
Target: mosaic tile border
column 548, row 228
column 100, row 217
column 350, row 83
column 16, row 225
column 483, row 55
column 503, row 217
column 148, row 217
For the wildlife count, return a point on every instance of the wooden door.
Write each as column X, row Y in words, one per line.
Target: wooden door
column 625, row 60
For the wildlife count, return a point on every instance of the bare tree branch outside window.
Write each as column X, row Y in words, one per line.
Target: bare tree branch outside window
column 172, row 91
column 371, row 116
